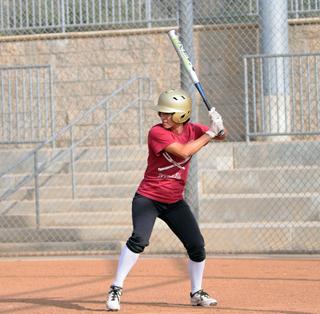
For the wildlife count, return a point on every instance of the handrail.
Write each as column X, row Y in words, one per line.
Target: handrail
column 70, row 125
column 69, row 149
column 46, row 164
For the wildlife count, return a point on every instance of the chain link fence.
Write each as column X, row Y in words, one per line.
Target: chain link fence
column 27, row 108
column 258, row 192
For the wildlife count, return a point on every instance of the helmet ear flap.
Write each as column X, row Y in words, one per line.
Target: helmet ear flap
column 181, row 117
column 176, row 117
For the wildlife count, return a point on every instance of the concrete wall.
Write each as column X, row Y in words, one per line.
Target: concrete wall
column 89, row 66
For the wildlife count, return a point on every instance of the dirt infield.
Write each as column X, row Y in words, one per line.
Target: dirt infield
column 161, row 285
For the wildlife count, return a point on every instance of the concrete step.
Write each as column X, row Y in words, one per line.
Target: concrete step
column 94, row 159
column 121, row 163
column 284, row 237
column 275, row 237
column 226, row 156
column 60, row 248
column 67, row 219
column 263, row 180
column 216, row 155
column 67, row 205
column 94, row 191
column 85, row 166
column 259, row 208
column 219, row 208
column 276, row 154
column 9, row 156
column 213, row 207
column 90, row 178
column 65, row 234
column 60, row 162
column 244, row 181
column 272, row 237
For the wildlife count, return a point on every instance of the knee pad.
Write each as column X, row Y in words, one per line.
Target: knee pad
column 197, row 254
column 135, row 246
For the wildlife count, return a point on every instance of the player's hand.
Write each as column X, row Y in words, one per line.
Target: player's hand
column 216, row 125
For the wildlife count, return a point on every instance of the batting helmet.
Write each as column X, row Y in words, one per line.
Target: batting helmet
column 175, row 101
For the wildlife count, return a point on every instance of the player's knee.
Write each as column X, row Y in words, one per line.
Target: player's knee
column 197, row 254
column 136, row 245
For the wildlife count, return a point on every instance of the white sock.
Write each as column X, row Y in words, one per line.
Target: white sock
column 127, row 259
column 196, row 273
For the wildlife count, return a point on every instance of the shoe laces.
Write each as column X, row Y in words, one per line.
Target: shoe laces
column 201, row 294
column 115, row 292
column 204, row 294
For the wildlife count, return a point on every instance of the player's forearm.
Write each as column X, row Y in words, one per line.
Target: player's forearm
column 186, row 150
column 193, row 147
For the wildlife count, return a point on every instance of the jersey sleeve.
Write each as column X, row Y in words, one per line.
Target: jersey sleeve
column 199, row 129
column 158, row 139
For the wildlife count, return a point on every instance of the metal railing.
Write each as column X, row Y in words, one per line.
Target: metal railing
column 39, row 161
column 282, row 94
column 45, row 16
column 296, row 8
column 27, row 111
column 71, row 15
column 302, row 8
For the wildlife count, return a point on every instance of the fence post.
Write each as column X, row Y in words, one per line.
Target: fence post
column 274, row 41
column 62, row 12
column 246, row 99
column 186, row 37
column 73, row 179
column 140, row 110
column 148, row 13
column 36, row 189
column 106, row 136
column 52, row 109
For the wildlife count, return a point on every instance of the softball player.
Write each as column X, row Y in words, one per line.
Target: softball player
column 171, row 145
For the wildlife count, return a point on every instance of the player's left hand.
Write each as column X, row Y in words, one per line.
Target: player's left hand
column 216, row 125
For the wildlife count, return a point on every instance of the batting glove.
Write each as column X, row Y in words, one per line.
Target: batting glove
column 216, row 125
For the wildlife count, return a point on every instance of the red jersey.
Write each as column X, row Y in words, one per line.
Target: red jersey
column 165, row 177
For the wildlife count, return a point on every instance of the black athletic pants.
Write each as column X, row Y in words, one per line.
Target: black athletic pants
column 177, row 216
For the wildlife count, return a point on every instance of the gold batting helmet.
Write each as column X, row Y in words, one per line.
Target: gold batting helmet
column 176, row 101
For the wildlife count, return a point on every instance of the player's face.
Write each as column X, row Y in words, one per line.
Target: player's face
column 166, row 119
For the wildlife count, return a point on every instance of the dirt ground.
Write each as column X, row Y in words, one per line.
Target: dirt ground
column 161, row 285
